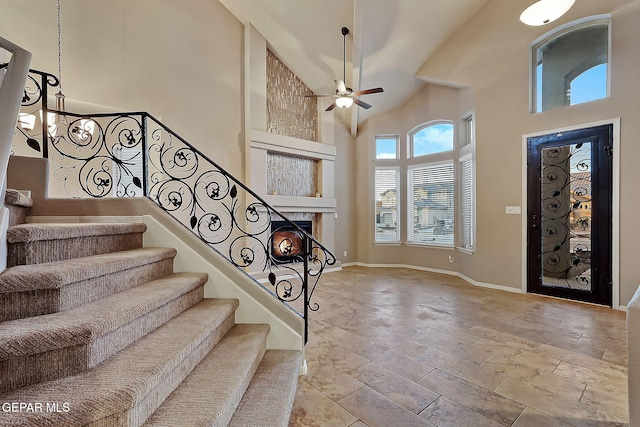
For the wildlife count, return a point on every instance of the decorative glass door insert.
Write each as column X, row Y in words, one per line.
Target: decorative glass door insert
column 569, row 208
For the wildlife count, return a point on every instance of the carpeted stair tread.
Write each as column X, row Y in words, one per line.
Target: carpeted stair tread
column 35, row 290
column 211, row 393
column 39, row 243
column 32, row 232
column 47, row 347
column 18, row 204
column 16, row 198
column 87, row 322
column 129, row 386
column 269, row 399
column 60, row 273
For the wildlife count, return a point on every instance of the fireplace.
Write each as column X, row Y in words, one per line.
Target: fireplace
column 287, row 243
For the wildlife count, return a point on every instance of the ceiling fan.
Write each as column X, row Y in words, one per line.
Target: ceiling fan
column 345, row 96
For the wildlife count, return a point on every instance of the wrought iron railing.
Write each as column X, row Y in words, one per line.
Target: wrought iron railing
column 135, row 155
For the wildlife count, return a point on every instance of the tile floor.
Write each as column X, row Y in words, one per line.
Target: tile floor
column 399, row 347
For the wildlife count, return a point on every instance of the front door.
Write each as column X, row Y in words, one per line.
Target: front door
column 569, row 212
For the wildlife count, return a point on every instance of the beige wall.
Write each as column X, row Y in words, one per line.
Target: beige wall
column 345, row 176
column 432, row 103
column 490, row 55
column 180, row 61
column 183, row 61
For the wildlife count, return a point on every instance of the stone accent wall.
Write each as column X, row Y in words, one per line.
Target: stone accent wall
column 289, row 112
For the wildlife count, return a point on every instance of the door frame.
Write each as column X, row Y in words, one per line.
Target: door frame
column 615, row 213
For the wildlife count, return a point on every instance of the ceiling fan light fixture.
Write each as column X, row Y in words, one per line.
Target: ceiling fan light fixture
column 344, row 102
column 544, row 12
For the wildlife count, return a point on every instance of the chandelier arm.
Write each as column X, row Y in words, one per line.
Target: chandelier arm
column 59, row 50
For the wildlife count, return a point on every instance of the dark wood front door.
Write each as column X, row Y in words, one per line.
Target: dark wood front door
column 569, row 212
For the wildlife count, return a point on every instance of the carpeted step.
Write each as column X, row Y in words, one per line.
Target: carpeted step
column 47, row 347
column 129, row 386
column 210, row 395
column 18, row 205
column 268, row 401
column 32, row 290
column 38, row 243
column 17, row 198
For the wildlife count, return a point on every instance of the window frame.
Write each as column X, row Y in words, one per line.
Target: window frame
column 558, row 32
column 421, row 127
column 463, row 244
column 410, row 207
column 467, row 151
column 398, row 206
column 375, row 147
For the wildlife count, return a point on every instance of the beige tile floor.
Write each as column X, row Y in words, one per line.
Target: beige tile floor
column 398, row 347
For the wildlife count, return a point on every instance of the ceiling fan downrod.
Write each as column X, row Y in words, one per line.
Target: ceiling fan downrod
column 345, row 31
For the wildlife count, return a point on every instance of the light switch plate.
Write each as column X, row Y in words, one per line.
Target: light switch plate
column 513, row 210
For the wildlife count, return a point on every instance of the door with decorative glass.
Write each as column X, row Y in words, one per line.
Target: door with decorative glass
column 570, row 214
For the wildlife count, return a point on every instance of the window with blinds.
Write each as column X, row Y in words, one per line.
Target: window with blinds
column 128, row 177
column 387, row 185
column 431, row 204
column 467, row 202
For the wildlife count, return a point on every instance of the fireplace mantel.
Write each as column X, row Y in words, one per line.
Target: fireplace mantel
column 293, row 146
column 263, row 143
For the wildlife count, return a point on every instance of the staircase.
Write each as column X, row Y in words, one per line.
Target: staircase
column 97, row 330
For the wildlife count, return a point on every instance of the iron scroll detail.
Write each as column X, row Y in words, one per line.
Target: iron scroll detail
column 118, row 155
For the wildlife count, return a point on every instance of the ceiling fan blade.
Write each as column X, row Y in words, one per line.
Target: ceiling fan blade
column 361, row 103
column 316, row 96
column 342, row 88
column 331, row 107
column 368, row 91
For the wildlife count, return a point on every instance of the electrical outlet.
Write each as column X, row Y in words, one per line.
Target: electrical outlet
column 345, row 253
column 336, row 215
column 450, row 258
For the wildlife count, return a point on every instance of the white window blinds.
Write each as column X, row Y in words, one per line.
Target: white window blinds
column 387, row 185
column 431, row 204
column 128, row 176
column 467, row 202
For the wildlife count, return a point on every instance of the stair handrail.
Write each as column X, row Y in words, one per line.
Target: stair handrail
column 104, row 152
column 12, row 84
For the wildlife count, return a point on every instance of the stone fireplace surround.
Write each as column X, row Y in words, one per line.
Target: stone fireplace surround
column 322, row 208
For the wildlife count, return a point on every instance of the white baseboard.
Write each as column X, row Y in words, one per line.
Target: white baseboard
column 435, row 270
column 349, row 264
column 490, row 285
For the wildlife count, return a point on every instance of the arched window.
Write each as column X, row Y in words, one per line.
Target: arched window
column 431, row 184
column 434, row 166
column 432, row 138
column 571, row 64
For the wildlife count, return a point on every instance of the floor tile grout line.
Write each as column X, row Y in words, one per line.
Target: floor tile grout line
column 519, row 415
column 482, row 327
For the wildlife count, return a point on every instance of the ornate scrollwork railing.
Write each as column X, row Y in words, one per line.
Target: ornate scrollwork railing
column 32, row 124
column 135, row 155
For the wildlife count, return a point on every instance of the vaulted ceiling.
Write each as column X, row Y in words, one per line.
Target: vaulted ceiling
column 388, row 41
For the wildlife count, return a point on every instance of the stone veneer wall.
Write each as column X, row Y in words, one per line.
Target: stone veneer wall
column 291, row 176
column 289, row 112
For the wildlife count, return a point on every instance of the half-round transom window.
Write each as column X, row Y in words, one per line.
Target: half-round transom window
column 431, row 139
